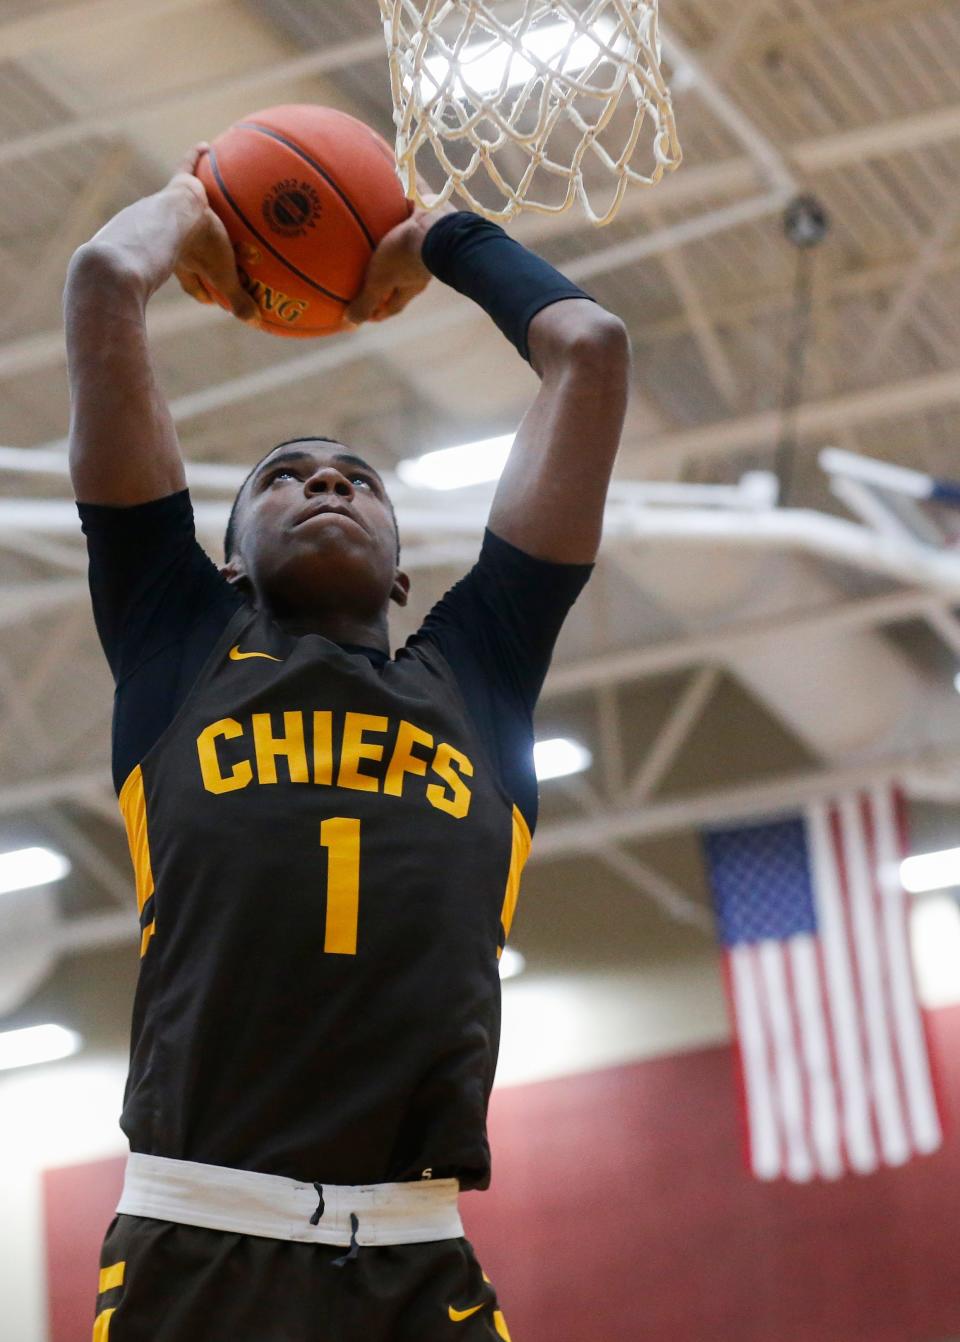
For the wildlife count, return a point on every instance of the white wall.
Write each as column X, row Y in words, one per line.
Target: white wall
column 557, row 1025
column 60, row 1114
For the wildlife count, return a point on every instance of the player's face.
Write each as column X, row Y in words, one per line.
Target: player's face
column 317, row 532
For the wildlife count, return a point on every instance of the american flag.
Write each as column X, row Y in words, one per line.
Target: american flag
column 812, row 918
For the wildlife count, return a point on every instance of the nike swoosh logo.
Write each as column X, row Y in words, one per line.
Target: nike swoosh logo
column 237, row 656
column 458, row 1315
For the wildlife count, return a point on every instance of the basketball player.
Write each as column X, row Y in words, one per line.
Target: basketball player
column 327, row 840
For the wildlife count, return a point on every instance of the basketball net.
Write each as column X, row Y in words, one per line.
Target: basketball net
column 529, row 104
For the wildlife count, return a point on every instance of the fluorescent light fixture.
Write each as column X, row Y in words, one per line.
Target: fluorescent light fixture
column 36, row 1043
column 31, row 866
column 488, row 66
column 956, row 682
column 931, row 871
column 557, row 757
column 454, row 467
column 684, row 77
column 512, row 963
column 935, row 941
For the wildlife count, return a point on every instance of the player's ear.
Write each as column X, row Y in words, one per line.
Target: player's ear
column 401, row 588
column 235, row 573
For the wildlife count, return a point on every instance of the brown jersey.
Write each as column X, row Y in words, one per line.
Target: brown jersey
column 327, row 867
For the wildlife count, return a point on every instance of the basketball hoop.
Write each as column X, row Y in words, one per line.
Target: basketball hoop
column 529, row 104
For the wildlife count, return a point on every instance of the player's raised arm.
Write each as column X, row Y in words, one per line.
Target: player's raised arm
column 123, row 444
column 551, row 496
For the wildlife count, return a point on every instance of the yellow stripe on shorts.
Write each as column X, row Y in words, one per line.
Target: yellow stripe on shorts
column 101, row 1326
column 111, row 1276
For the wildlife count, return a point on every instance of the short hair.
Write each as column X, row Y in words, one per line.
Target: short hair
column 230, row 535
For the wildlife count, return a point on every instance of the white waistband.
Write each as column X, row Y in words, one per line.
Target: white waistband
column 221, row 1198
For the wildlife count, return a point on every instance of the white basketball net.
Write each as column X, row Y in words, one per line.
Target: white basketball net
column 529, row 104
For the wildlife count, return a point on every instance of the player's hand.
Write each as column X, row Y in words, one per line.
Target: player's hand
column 206, row 265
column 396, row 273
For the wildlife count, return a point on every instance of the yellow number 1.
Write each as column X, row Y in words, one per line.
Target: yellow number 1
column 341, row 838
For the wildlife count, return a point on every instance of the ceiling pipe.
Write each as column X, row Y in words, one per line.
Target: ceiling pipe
column 799, row 529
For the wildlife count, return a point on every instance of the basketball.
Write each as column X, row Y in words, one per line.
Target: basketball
column 306, row 194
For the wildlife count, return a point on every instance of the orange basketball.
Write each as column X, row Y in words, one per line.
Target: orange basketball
column 306, row 193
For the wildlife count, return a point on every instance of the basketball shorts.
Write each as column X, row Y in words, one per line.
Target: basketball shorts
column 161, row 1281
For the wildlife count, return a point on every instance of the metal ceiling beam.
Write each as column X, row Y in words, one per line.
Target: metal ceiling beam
column 82, row 217
column 28, row 34
column 659, row 889
column 844, row 19
column 29, row 793
column 176, row 317
column 727, row 805
column 887, row 401
column 435, row 526
column 918, row 395
column 728, row 311
column 57, row 26
column 610, row 735
column 668, row 896
column 727, row 48
column 943, row 621
column 31, row 600
column 118, row 884
column 47, row 349
column 25, row 690
column 679, row 654
column 117, row 119
column 53, row 461
column 345, row 54
column 901, row 135
column 912, row 285
column 21, row 717
column 701, row 326
column 674, row 733
column 45, row 550
column 733, row 177
column 97, row 931
column 769, row 158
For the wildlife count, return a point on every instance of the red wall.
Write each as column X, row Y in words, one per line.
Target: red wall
column 78, row 1203
column 621, row 1212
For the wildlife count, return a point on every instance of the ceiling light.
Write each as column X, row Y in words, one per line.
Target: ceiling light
column 487, row 66
column 512, row 963
column 931, row 871
column 455, row 467
column 36, row 1043
column 956, row 682
column 935, row 939
column 558, row 757
column 31, row 866
column 684, row 77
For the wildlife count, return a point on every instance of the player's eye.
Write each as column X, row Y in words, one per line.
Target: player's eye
column 281, row 471
column 361, row 480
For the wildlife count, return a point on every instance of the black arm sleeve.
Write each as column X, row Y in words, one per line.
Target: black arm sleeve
column 497, row 628
column 159, row 605
column 476, row 257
